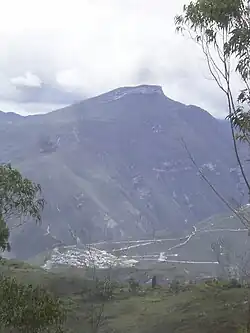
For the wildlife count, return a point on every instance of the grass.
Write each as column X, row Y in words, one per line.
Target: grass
column 197, row 308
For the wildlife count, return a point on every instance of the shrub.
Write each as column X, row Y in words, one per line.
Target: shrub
column 175, row 286
column 133, row 285
column 28, row 308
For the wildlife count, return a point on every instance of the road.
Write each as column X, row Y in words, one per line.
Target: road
column 166, row 256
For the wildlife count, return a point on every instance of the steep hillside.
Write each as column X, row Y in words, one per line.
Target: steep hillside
column 113, row 167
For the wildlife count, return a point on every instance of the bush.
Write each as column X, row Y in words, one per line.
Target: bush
column 233, row 283
column 29, row 309
column 133, row 285
column 175, row 286
column 105, row 289
column 98, row 290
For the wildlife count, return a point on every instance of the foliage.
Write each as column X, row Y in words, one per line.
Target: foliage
column 19, row 197
column 222, row 29
column 175, row 286
column 101, row 290
column 105, row 289
column 23, row 307
column 96, row 295
column 29, row 309
column 234, row 283
column 133, row 285
column 4, row 235
column 194, row 310
column 223, row 284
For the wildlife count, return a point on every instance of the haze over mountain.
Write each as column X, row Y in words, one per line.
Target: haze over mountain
column 114, row 167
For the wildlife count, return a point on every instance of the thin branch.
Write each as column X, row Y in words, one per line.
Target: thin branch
column 244, row 220
column 232, row 110
column 212, row 69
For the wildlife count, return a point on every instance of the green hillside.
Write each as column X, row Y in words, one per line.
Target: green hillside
column 191, row 308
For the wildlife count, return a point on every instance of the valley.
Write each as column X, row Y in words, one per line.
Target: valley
column 125, row 166
column 189, row 257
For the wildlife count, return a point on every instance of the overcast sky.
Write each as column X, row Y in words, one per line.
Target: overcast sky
column 56, row 52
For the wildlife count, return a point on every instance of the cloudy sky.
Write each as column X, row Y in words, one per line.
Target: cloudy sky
column 54, row 53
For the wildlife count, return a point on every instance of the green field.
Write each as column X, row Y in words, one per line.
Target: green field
column 190, row 309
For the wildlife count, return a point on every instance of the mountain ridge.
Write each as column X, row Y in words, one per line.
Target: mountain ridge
column 112, row 95
column 117, row 170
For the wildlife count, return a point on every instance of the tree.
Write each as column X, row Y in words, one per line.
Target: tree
column 29, row 309
column 19, row 198
column 134, row 285
column 222, row 29
column 23, row 308
column 99, row 292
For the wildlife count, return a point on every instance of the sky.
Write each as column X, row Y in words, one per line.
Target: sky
column 54, row 53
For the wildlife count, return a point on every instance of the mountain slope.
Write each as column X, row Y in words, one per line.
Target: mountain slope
column 114, row 166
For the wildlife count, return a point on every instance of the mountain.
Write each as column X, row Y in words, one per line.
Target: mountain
column 114, row 167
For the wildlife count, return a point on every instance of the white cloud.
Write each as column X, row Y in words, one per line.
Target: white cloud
column 92, row 46
column 28, row 80
column 70, row 79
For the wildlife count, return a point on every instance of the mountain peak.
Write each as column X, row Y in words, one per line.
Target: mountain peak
column 130, row 90
column 143, row 89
